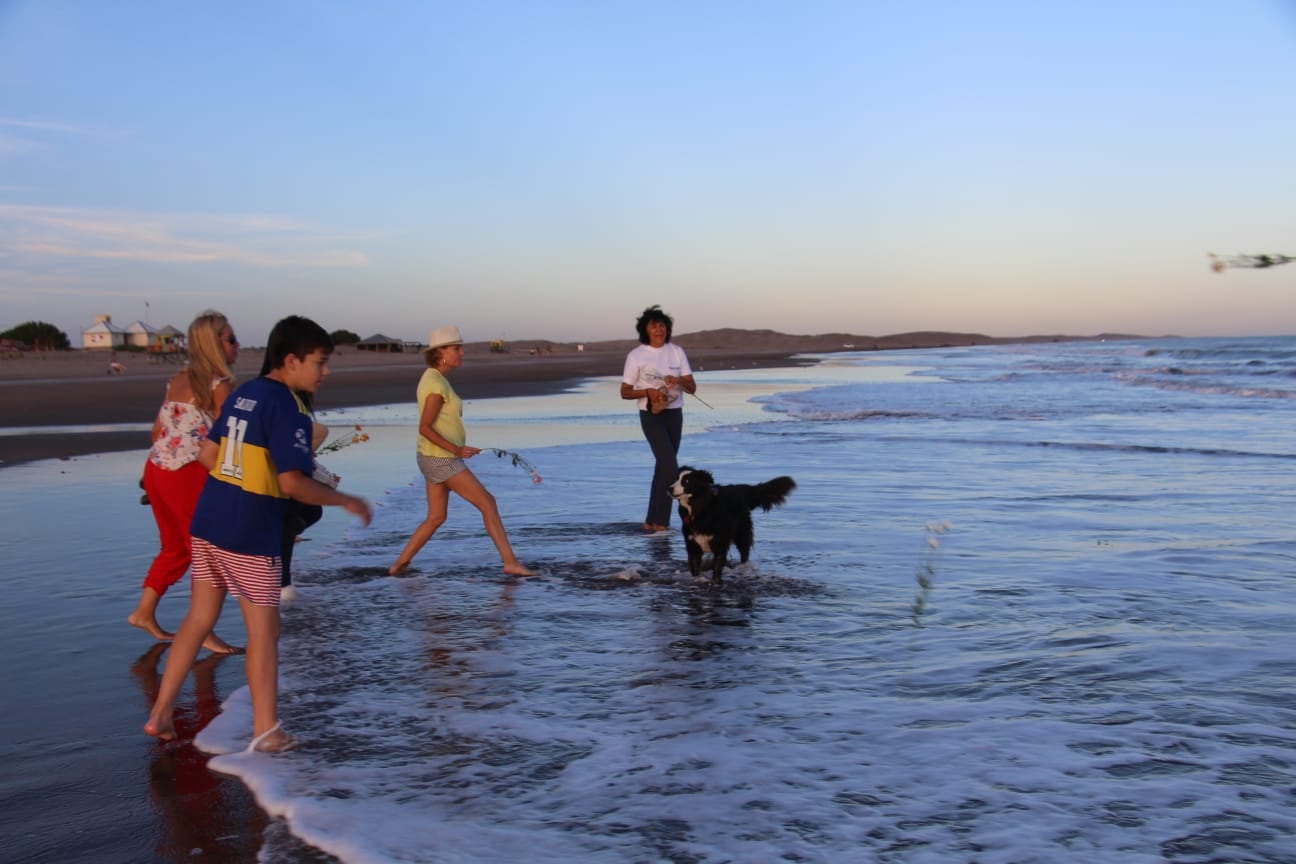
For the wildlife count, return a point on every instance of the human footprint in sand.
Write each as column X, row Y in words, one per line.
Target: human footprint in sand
column 173, row 476
column 259, row 456
column 441, row 455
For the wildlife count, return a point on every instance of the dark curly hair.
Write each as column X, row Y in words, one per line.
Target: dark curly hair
column 653, row 313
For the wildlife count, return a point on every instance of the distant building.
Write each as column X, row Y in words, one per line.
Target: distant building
column 102, row 335
column 170, row 339
column 379, row 342
column 140, row 335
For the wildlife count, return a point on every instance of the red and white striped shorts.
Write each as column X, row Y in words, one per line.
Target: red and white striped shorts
column 255, row 578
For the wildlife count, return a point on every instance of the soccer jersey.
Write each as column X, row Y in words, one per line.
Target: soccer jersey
column 263, row 430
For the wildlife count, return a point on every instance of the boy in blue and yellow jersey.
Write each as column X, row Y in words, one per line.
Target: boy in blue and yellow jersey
column 259, row 456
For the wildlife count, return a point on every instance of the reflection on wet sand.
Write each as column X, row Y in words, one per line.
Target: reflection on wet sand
column 202, row 816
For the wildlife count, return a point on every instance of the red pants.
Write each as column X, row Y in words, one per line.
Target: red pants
column 173, row 495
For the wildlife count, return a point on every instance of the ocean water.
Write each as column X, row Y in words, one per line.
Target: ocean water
column 1029, row 603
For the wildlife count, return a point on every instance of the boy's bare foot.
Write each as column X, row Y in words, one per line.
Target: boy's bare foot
column 217, row 645
column 398, row 569
column 149, row 626
column 517, row 568
column 160, row 731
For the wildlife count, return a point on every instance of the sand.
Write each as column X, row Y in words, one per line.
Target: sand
column 42, row 391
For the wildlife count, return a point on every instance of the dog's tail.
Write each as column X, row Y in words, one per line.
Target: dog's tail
column 769, row 494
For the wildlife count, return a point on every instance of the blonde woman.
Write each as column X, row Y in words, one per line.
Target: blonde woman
column 173, row 476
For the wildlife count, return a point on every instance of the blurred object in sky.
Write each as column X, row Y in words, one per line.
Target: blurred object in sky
column 1255, row 262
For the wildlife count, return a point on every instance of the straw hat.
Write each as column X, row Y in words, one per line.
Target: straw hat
column 443, row 336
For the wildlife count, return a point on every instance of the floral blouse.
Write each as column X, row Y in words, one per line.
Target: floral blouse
column 184, row 428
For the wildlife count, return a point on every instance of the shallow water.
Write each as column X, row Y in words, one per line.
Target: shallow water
column 1027, row 604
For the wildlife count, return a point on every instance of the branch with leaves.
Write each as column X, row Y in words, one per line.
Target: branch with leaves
column 518, row 460
column 357, row 436
column 652, row 375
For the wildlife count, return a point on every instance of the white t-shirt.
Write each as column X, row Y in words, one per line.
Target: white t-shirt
column 646, row 368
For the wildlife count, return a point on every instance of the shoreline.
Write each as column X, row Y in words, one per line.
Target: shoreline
column 45, row 391
column 42, row 404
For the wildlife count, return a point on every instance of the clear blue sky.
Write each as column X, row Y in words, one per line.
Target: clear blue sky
column 547, row 169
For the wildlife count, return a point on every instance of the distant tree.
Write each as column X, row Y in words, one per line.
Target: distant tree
column 39, row 335
column 344, row 337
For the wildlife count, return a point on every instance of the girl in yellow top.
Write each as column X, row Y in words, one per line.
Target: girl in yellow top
column 441, row 455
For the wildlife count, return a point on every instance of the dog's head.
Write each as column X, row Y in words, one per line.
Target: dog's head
column 690, row 483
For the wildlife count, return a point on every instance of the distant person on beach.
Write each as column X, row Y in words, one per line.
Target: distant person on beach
column 259, row 455
column 657, row 375
column 441, row 454
column 173, row 476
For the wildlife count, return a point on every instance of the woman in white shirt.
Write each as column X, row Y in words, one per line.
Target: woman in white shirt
column 657, row 375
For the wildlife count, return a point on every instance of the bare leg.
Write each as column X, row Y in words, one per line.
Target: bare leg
column 466, row 485
column 205, row 603
column 438, row 500
column 263, row 673
column 145, row 616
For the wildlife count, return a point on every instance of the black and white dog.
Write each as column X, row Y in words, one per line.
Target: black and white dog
column 716, row 517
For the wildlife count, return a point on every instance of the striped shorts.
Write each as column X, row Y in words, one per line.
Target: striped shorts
column 439, row 469
column 254, row 578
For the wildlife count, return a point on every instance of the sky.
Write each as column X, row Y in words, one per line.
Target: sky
column 545, row 170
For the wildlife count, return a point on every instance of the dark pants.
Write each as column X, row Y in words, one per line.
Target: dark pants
column 298, row 518
column 663, row 432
